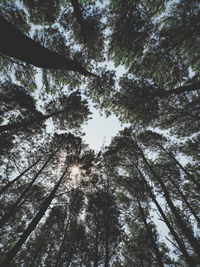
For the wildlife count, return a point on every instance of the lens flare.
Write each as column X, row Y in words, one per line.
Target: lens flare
column 74, row 171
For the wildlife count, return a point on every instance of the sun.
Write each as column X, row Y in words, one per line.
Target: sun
column 74, row 170
column 76, row 175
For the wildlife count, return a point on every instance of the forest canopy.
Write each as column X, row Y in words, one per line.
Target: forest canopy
column 135, row 202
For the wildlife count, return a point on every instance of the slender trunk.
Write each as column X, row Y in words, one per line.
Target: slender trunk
column 185, row 201
column 107, row 242
column 151, row 237
column 13, row 210
column 39, row 247
column 190, row 177
column 26, row 123
column 96, row 244
column 183, row 227
column 17, row 45
column 15, row 249
column 79, row 16
column 4, row 188
column 181, row 245
column 141, row 262
column 77, row 11
column 182, row 89
column 63, row 242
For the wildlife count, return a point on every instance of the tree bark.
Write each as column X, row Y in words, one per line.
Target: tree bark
column 185, row 201
column 181, row 245
column 151, row 237
column 27, row 123
column 15, row 249
column 171, row 155
column 39, row 247
column 17, row 45
column 13, row 210
column 96, row 245
column 4, row 188
column 63, row 242
column 107, row 230
column 183, row 227
column 77, row 11
column 182, row 89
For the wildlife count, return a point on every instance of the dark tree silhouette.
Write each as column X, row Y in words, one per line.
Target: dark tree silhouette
column 15, row 44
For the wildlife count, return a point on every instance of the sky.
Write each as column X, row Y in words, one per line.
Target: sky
column 99, row 130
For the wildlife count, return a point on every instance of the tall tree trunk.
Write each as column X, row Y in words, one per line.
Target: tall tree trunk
column 78, row 12
column 181, row 224
column 26, row 123
column 15, row 249
column 96, row 245
column 181, row 245
column 79, row 16
column 63, row 242
column 182, row 89
column 151, row 237
column 39, row 247
column 13, row 210
column 185, row 201
column 15, row 44
column 107, row 241
column 190, row 177
column 4, row 188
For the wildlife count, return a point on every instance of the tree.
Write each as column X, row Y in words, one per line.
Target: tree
column 134, row 157
column 103, row 223
column 11, row 212
column 4, row 188
column 31, row 52
column 70, row 108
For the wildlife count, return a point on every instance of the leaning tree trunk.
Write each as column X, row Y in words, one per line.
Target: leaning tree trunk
column 17, row 45
column 190, row 177
column 80, row 19
column 13, row 210
column 63, row 242
column 181, row 245
column 182, row 89
column 183, row 227
column 39, row 248
column 107, row 230
column 4, row 188
column 151, row 237
column 184, row 198
column 15, row 249
column 95, row 260
column 26, row 123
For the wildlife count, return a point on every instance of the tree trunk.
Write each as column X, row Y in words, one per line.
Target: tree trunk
column 185, row 201
column 171, row 155
column 13, row 210
column 15, row 249
column 96, row 245
column 79, row 16
column 4, row 188
column 183, row 227
column 26, row 123
column 181, row 245
column 63, row 242
column 182, row 89
column 39, row 247
column 107, row 242
column 77, row 11
column 151, row 237
column 17, row 45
